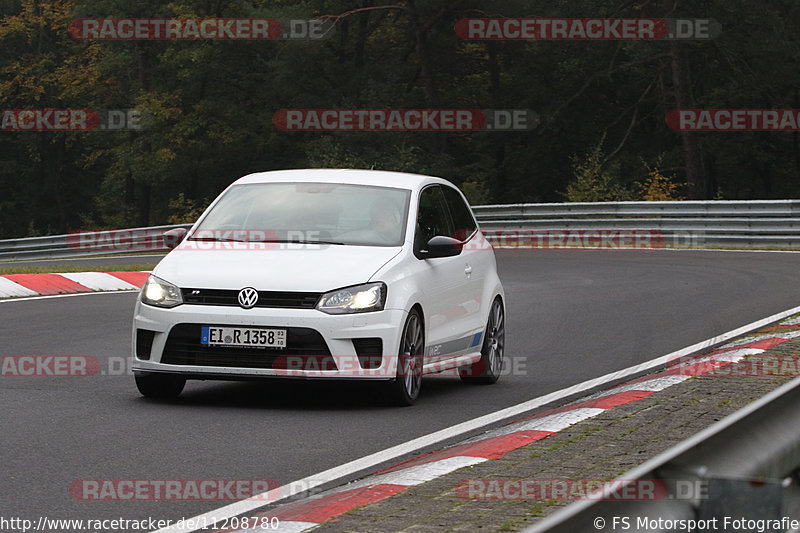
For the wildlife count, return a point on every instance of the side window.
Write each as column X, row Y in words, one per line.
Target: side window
column 463, row 221
column 432, row 216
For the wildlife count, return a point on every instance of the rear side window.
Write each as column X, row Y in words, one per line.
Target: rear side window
column 432, row 218
column 463, row 222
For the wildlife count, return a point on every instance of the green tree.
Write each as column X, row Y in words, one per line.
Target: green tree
column 595, row 181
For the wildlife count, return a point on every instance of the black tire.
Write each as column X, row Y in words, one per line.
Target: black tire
column 161, row 386
column 404, row 390
column 488, row 368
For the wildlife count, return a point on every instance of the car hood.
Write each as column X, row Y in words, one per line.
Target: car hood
column 296, row 267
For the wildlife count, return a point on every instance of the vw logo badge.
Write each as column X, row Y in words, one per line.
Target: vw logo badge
column 248, row 297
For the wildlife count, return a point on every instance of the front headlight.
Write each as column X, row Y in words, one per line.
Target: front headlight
column 160, row 293
column 356, row 299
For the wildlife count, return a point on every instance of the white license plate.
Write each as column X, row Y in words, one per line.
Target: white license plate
column 248, row 337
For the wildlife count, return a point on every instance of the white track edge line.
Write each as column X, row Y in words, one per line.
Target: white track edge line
column 375, row 459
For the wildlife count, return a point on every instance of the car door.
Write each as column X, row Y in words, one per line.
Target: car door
column 443, row 280
column 476, row 261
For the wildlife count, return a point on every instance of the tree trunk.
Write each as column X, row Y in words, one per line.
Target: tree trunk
column 145, row 189
column 423, row 53
column 499, row 188
column 681, row 80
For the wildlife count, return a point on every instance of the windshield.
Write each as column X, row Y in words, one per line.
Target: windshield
column 308, row 212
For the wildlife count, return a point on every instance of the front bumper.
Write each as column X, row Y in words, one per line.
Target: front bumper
column 158, row 330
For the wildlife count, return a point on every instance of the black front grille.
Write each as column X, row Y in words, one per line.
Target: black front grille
column 305, row 350
column 369, row 351
column 230, row 297
column 144, row 342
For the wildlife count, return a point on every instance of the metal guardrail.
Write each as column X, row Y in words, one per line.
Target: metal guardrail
column 683, row 208
column 717, row 223
column 85, row 244
column 744, row 466
column 694, row 224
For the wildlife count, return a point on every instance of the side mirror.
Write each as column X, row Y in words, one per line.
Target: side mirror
column 173, row 237
column 441, row 246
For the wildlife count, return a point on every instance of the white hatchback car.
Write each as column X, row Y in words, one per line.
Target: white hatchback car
column 346, row 274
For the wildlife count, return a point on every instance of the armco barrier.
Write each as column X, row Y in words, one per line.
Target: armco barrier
column 713, row 223
column 71, row 245
column 745, row 467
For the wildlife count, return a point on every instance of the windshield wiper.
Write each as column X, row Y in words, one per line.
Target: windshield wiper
column 303, row 241
column 292, row 241
column 215, row 239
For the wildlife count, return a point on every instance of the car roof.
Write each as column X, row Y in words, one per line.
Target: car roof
column 382, row 178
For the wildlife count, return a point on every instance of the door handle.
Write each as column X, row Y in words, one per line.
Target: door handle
column 468, row 270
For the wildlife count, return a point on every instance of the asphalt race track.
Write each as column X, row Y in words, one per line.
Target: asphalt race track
column 572, row 315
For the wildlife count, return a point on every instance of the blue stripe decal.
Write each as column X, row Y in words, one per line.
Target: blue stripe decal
column 476, row 340
column 454, row 346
